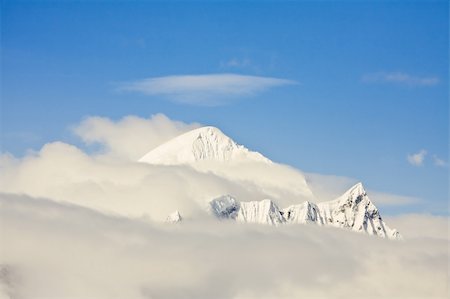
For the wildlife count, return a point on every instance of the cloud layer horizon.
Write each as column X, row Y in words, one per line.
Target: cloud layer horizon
column 79, row 224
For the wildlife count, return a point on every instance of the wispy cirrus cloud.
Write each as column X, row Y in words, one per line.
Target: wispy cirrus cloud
column 417, row 159
column 439, row 162
column 204, row 90
column 400, row 78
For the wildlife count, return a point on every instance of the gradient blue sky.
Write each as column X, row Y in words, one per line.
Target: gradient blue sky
column 372, row 79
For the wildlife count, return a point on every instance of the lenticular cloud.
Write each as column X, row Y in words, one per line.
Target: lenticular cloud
column 204, row 90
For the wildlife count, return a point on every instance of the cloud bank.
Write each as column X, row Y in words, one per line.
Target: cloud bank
column 130, row 137
column 112, row 181
column 400, row 78
column 59, row 251
column 63, row 172
column 79, row 225
column 204, row 90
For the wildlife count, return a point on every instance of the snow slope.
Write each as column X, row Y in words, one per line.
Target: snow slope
column 206, row 143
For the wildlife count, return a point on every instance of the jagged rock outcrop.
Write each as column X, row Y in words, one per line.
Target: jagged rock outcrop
column 352, row 211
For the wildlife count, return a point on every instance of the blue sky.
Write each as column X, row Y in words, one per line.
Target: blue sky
column 370, row 79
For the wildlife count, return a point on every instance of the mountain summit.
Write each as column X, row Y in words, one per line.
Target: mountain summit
column 202, row 144
column 352, row 211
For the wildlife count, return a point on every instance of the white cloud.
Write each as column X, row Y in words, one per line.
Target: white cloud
column 328, row 187
column 204, row 90
column 63, row 172
column 388, row 199
column 111, row 180
column 130, row 137
column 94, row 235
column 401, row 78
column 417, row 159
column 421, row 225
column 55, row 250
column 439, row 162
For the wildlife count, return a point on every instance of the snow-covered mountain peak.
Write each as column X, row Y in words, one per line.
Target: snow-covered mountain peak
column 355, row 191
column 202, row 144
column 261, row 212
column 224, row 207
column 174, row 217
column 302, row 213
column 352, row 211
column 352, row 197
column 210, row 130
